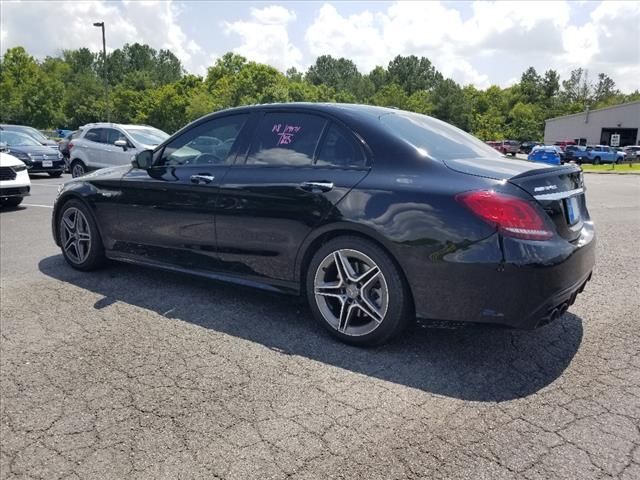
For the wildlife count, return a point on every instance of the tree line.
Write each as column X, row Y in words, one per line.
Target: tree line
column 151, row 87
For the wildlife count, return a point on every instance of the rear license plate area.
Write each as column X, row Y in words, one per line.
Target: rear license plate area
column 572, row 210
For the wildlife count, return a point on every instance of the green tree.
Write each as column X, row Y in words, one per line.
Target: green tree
column 449, row 104
column 391, row 95
column 338, row 73
column 525, row 122
column 412, row 73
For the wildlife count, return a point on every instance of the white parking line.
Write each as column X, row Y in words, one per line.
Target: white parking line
column 36, row 205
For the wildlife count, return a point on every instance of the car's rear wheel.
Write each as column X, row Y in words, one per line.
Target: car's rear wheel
column 79, row 237
column 356, row 291
column 55, row 174
column 78, row 168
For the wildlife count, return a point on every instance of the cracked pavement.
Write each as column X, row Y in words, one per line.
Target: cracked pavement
column 134, row 373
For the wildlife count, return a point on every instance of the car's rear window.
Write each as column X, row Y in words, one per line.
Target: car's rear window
column 435, row 138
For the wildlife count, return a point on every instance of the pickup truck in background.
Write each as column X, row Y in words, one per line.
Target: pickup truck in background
column 597, row 154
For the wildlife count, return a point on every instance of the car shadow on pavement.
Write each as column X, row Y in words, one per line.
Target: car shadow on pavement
column 476, row 363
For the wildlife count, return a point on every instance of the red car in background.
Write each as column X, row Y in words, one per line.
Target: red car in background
column 564, row 144
column 510, row 147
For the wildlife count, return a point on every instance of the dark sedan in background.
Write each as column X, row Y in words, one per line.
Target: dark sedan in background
column 32, row 132
column 37, row 158
column 376, row 215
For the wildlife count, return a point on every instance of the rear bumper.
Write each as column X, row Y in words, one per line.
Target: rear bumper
column 525, row 287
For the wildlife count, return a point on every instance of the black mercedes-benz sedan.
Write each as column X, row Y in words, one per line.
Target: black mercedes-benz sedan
column 376, row 215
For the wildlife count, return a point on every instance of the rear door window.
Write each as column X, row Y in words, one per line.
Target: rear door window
column 285, row 138
column 339, row 149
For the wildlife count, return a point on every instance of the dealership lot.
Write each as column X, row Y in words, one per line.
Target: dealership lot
column 132, row 373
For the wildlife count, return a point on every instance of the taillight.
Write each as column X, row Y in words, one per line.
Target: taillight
column 70, row 146
column 513, row 216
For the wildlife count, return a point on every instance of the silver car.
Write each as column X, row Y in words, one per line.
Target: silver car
column 101, row 145
column 632, row 153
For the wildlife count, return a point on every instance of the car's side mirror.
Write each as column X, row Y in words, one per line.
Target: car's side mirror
column 143, row 160
column 122, row 144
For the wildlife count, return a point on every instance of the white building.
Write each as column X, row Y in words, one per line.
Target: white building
column 595, row 127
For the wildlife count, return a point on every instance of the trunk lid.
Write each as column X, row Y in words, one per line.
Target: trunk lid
column 559, row 189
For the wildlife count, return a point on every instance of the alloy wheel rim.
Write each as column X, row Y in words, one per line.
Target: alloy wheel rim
column 78, row 171
column 351, row 292
column 75, row 235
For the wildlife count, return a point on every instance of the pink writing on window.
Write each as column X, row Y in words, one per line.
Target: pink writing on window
column 286, row 134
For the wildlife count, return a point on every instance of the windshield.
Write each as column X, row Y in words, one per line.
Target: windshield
column 435, row 138
column 148, row 135
column 16, row 139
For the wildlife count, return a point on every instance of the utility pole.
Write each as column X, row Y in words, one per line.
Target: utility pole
column 104, row 70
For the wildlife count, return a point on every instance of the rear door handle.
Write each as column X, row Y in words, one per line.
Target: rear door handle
column 202, row 178
column 316, row 186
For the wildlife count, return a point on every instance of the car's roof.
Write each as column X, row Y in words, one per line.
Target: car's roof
column 15, row 125
column 111, row 125
column 344, row 111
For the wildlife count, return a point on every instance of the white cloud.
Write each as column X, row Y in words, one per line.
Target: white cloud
column 265, row 37
column 356, row 37
column 68, row 25
column 498, row 40
column 609, row 42
column 479, row 43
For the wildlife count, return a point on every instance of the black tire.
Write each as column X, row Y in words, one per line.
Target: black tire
column 398, row 312
column 95, row 257
column 55, row 174
column 12, row 201
column 596, row 161
column 619, row 160
column 78, row 168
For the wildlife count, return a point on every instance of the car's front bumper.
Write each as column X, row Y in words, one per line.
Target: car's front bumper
column 38, row 167
column 14, row 191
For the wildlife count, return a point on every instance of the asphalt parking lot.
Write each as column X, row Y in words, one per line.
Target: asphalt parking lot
column 132, row 373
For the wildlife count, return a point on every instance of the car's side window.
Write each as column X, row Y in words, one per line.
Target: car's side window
column 339, row 149
column 93, row 135
column 285, row 138
column 113, row 135
column 209, row 143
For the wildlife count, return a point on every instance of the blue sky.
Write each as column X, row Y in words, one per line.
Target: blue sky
column 481, row 43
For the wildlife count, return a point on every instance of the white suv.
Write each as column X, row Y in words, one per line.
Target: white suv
column 101, row 145
column 14, row 180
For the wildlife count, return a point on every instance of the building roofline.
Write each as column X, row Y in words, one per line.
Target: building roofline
column 592, row 111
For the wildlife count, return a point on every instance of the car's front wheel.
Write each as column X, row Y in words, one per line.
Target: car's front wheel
column 79, row 237
column 356, row 291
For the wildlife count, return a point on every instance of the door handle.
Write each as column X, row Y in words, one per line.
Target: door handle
column 202, row 178
column 315, row 186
